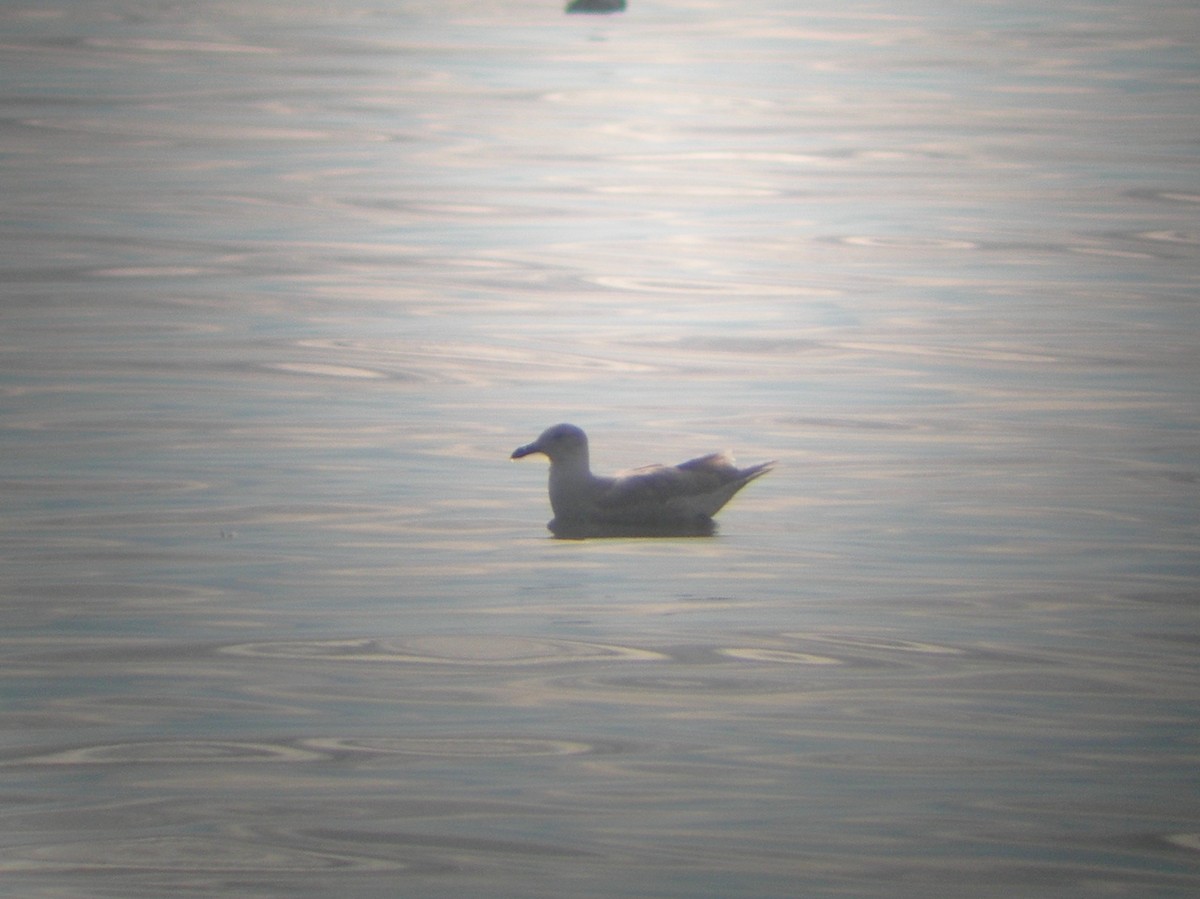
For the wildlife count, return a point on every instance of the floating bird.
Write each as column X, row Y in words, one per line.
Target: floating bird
column 654, row 501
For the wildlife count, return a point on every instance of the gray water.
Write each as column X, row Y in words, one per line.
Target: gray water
column 284, row 285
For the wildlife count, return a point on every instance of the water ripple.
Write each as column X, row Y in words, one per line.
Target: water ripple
column 903, row 242
column 450, row 362
column 682, row 683
column 458, row 747
column 448, row 842
column 449, row 650
column 912, row 763
column 1184, row 840
column 185, row 853
column 703, row 288
column 1165, row 196
column 781, row 656
column 168, row 751
column 887, row 644
column 324, row 369
column 1181, row 237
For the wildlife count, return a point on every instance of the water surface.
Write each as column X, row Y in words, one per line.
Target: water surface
column 283, row 286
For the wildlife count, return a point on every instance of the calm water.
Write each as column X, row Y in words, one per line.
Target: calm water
column 284, row 285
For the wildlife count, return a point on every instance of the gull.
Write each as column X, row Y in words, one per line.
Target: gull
column 654, row 501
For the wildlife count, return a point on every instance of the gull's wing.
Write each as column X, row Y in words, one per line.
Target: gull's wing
column 697, row 487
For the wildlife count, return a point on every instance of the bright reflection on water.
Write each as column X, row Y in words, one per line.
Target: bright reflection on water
column 283, row 285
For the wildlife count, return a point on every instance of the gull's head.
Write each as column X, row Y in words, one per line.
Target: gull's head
column 558, row 442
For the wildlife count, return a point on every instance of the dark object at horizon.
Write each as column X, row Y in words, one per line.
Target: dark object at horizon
column 596, row 6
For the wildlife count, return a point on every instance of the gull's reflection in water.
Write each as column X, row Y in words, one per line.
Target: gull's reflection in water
column 653, row 501
column 568, row 529
column 596, row 6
